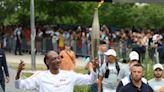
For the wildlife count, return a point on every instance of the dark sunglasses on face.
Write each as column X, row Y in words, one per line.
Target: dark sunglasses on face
column 56, row 58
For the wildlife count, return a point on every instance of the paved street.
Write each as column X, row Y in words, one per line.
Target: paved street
column 11, row 58
column 10, row 87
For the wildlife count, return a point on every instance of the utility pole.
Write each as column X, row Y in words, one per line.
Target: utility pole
column 33, row 33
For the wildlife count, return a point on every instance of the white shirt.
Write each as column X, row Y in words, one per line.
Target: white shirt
column 109, row 83
column 64, row 81
column 125, row 71
column 156, row 84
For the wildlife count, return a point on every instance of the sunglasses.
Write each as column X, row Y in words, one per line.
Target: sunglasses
column 56, row 58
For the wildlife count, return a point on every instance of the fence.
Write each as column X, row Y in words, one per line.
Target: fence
column 45, row 44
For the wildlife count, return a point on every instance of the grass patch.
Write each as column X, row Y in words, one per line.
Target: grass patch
column 43, row 67
column 26, row 75
column 82, row 88
column 81, row 70
column 28, row 66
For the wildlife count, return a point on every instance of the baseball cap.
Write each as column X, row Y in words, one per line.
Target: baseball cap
column 156, row 37
column 157, row 66
column 134, row 55
column 110, row 52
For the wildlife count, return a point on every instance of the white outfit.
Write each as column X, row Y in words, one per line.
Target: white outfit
column 109, row 84
column 64, row 81
column 156, row 84
column 124, row 72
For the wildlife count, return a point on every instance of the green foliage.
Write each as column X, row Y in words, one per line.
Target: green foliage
column 148, row 66
column 26, row 75
column 81, row 13
column 83, row 88
column 81, row 70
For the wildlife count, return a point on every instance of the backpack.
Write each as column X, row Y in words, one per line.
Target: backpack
column 107, row 72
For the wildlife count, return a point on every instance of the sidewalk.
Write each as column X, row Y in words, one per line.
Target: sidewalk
column 10, row 87
column 11, row 58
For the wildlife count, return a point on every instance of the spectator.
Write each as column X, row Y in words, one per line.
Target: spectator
column 125, row 71
column 39, row 38
column 108, row 73
column 84, row 44
column 55, row 41
column 68, row 61
column 61, row 42
column 157, row 82
column 18, row 40
column 136, row 84
column 124, row 74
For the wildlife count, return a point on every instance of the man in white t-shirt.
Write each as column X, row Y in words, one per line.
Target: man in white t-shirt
column 157, row 83
column 108, row 73
column 54, row 79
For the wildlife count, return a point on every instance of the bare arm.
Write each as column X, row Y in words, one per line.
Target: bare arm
column 99, row 84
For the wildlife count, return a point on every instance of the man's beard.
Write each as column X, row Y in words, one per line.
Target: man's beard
column 136, row 80
column 158, row 76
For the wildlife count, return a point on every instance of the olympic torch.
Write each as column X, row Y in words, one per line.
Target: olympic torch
column 95, row 34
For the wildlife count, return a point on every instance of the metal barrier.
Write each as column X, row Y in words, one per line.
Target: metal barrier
column 154, row 54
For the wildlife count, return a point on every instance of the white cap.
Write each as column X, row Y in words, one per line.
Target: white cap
column 156, row 37
column 158, row 66
column 110, row 52
column 134, row 55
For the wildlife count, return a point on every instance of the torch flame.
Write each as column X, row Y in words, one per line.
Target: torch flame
column 100, row 3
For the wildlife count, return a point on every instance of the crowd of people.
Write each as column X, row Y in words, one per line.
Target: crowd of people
column 17, row 39
column 106, row 73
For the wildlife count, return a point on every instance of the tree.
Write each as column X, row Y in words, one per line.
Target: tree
column 81, row 13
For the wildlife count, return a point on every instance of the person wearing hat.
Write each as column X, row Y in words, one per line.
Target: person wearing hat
column 136, row 83
column 108, row 72
column 125, row 71
column 157, row 83
column 124, row 74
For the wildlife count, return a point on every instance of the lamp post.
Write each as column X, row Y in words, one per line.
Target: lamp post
column 33, row 33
